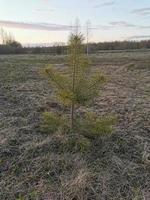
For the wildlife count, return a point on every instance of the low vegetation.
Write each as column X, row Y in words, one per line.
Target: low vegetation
column 59, row 165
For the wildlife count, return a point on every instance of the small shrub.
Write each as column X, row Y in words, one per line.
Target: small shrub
column 93, row 126
column 77, row 143
column 83, row 144
column 51, row 122
column 78, row 86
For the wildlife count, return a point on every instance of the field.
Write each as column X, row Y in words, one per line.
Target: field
column 33, row 165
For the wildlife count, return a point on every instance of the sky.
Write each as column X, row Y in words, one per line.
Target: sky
column 49, row 21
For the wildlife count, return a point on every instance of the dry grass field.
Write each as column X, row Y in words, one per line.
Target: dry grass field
column 35, row 166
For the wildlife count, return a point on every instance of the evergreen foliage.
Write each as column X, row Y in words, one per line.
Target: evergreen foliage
column 78, row 86
column 52, row 122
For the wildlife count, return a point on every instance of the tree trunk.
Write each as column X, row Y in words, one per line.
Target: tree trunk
column 73, row 90
column 72, row 115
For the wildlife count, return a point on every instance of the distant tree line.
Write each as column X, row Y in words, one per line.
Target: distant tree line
column 15, row 47
column 54, row 50
column 119, row 45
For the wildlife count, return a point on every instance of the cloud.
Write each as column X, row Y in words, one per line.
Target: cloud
column 46, row 26
column 35, row 26
column 124, row 24
column 100, row 27
column 141, row 11
column 109, row 3
column 135, row 37
column 62, row 27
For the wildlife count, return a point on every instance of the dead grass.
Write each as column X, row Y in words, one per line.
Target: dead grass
column 37, row 166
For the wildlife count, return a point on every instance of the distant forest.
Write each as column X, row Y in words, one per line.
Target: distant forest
column 62, row 50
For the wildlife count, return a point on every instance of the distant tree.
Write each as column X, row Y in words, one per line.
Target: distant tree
column 88, row 31
column 15, row 44
column 8, row 39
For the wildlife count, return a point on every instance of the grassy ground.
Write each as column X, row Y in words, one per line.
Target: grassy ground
column 33, row 165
